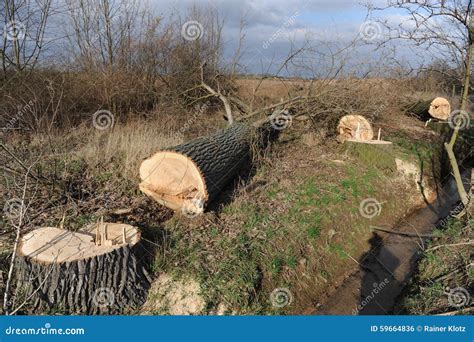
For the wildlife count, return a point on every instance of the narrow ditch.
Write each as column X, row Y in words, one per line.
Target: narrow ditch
column 386, row 269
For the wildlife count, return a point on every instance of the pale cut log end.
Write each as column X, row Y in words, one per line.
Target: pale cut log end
column 355, row 127
column 173, row 180
column 53, row 245
column 440, row 108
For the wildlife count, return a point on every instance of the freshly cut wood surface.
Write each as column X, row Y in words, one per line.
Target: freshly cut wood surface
column 194, row 173
column 438, row 108
column 170, row 178
column 355, row 127
column 95, row 271
column 54, row 245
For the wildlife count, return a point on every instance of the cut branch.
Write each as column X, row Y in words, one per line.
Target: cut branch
column 218, row 94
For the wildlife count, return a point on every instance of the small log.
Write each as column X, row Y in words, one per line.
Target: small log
column 67, row 272
column 192, row 174
column 355, row 127
column 438, row 108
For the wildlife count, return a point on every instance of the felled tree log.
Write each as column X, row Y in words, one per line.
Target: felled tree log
column 192, row 174
column 94, row 271
column 354, row 127
column 438, row 108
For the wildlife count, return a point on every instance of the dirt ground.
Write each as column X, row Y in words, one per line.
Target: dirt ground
column 279, row 240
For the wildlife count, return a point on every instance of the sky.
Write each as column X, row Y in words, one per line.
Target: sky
column 271, row 24
column 343, row 34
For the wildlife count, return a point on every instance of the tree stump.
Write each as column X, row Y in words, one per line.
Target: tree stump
column 438, row 108
column 187, row 176
column 378, row 153
column 354, row 127
column 95, row 271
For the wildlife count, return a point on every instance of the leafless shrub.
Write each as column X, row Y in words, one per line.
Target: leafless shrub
column 24, row 28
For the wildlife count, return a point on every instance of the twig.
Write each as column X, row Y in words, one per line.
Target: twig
column 241, row 104
column 452, row 313
column 450, row 245
column 218, row 94
column 282, row 103
column 350, row 256
column 32, row 294
column 401, row 233
column 19, row 162
column 18, row 226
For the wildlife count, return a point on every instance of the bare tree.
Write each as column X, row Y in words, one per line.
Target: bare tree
column 101, row 33
column 443, row 27
column 23, row 39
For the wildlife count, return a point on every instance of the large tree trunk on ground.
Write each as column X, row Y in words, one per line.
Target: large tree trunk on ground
column 438, row 108
column 187, row 176
column 59, row 271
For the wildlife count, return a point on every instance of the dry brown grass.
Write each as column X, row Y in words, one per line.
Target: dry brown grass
column 124, row 145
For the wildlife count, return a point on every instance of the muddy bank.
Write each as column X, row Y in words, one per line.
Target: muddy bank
column 387, row 267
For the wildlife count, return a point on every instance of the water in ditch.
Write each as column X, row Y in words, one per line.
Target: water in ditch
column 385, row 270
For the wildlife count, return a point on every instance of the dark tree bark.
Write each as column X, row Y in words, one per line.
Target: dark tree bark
column 200, row 168
column 113, row 282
